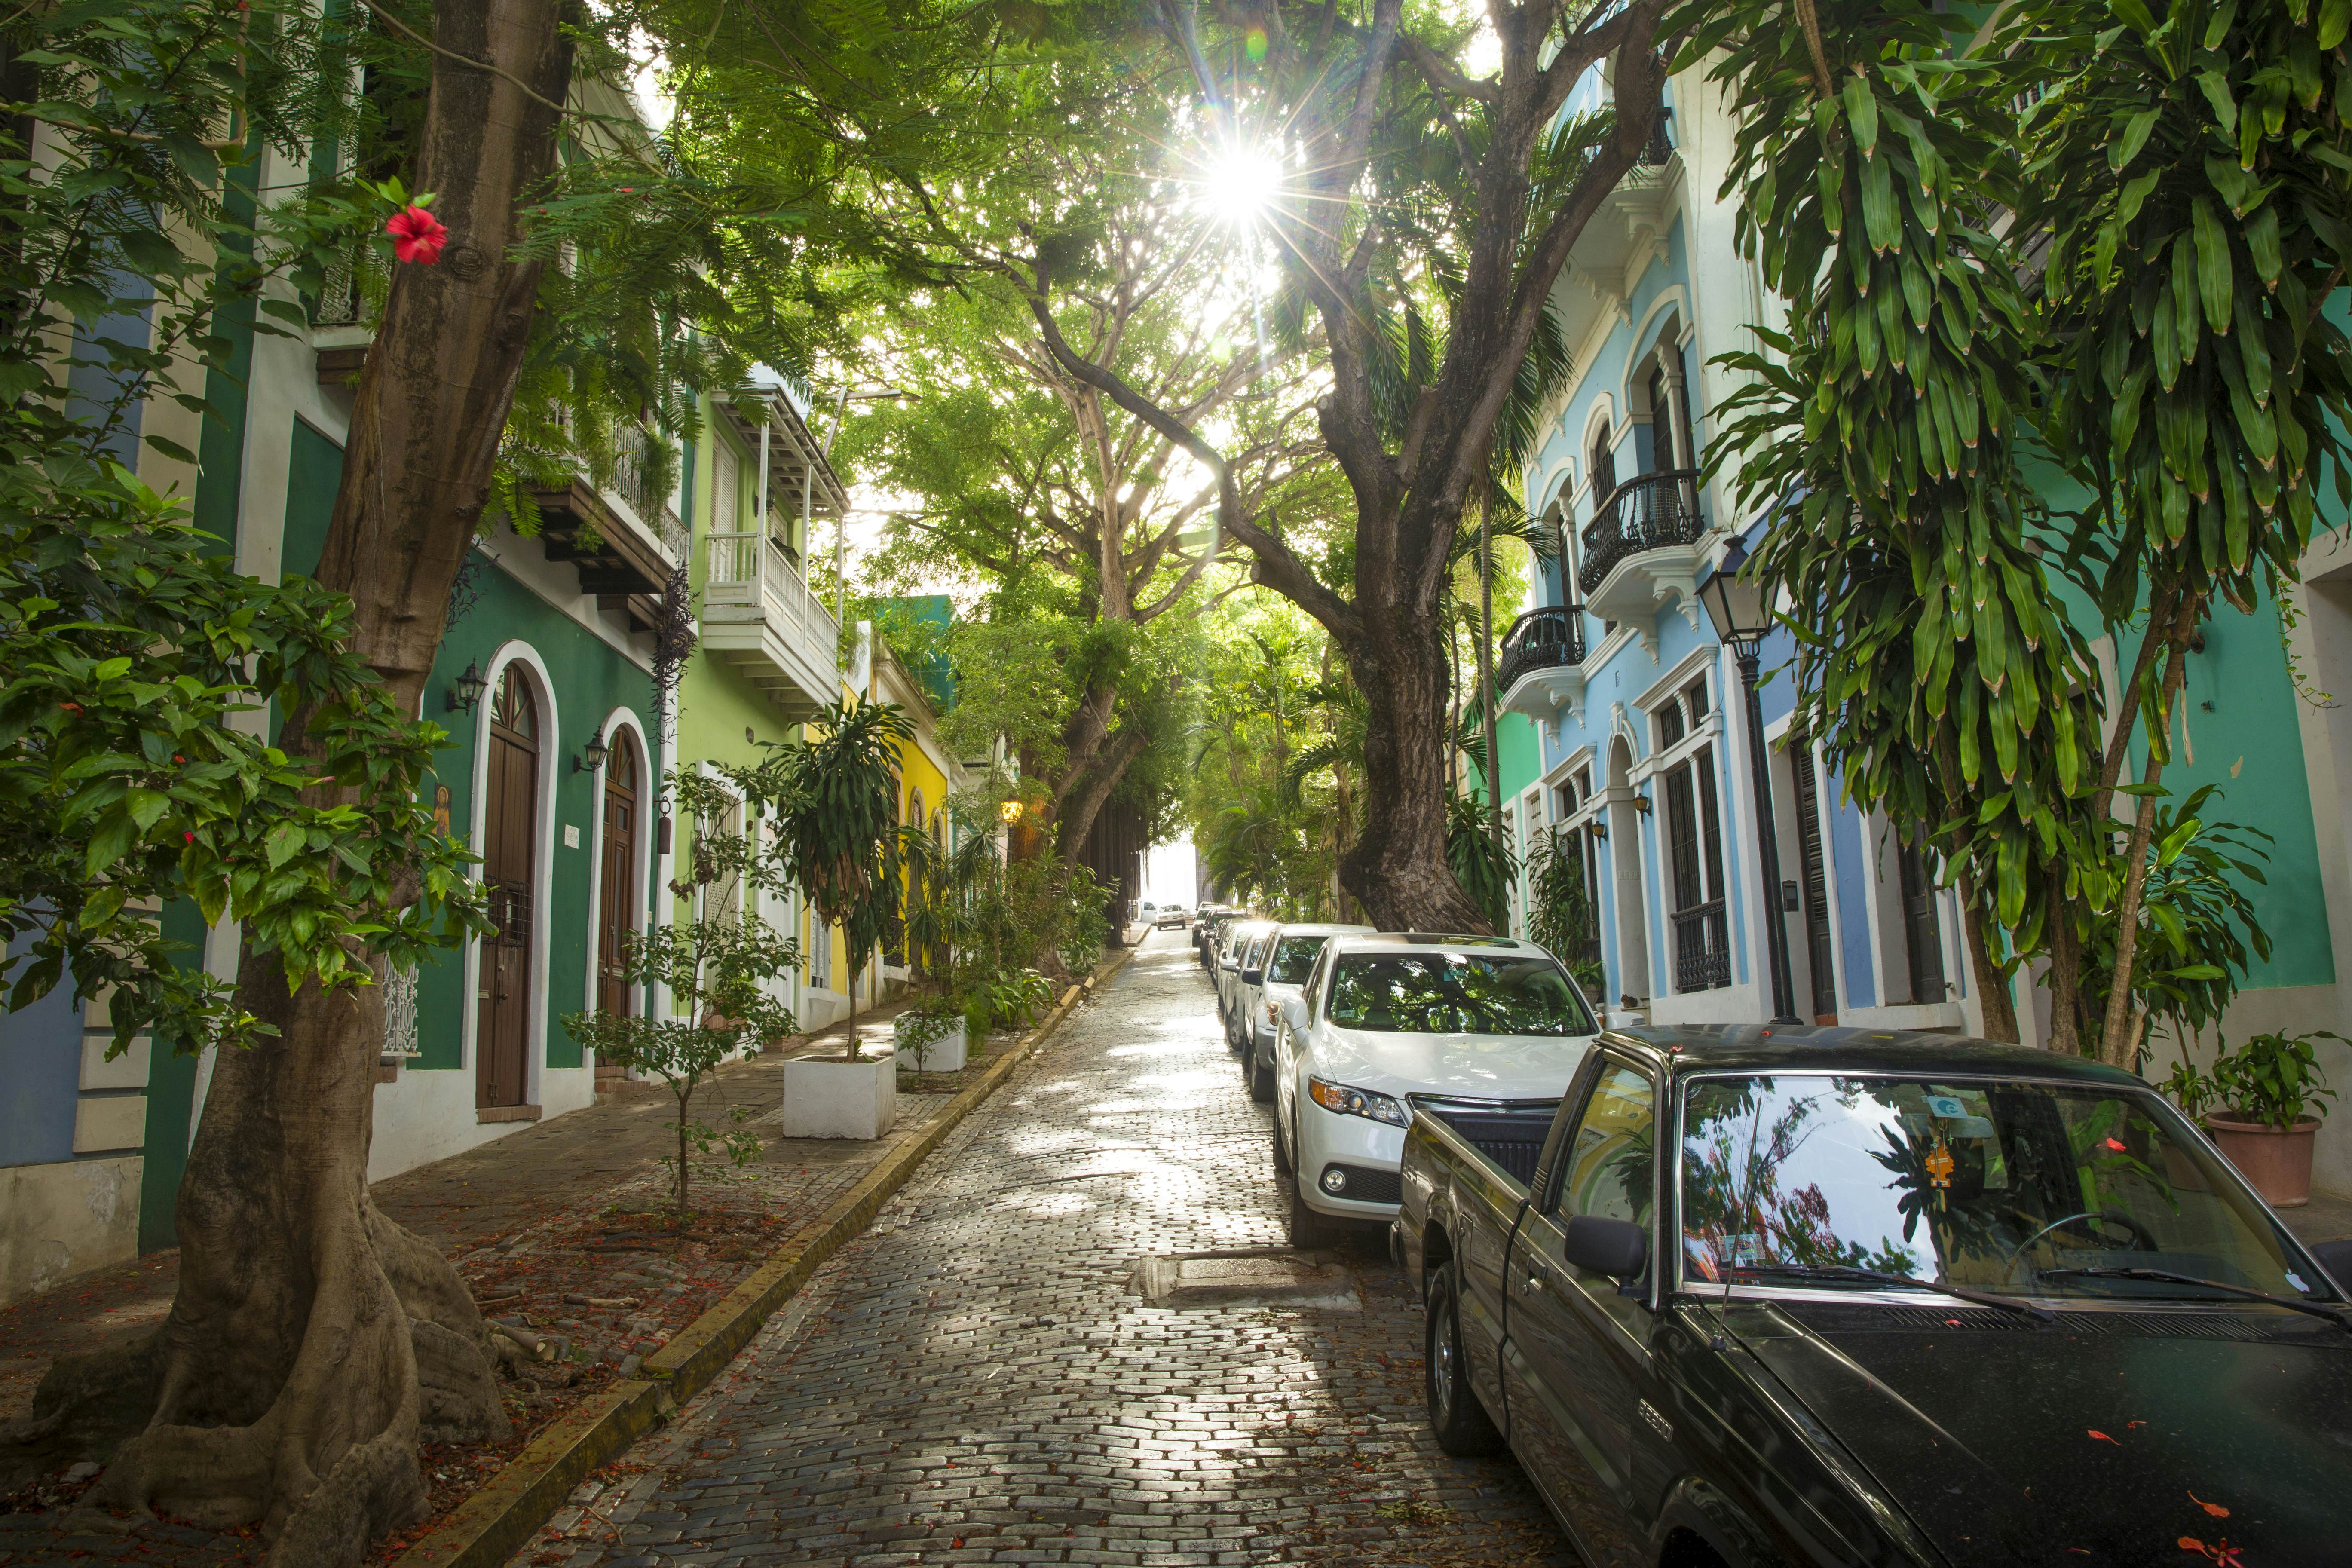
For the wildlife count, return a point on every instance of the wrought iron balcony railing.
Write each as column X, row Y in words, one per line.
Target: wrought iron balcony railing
column 1702, row 947
column 1548, row 638
column 1648, row 511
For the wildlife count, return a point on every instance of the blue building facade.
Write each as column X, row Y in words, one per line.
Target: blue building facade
column 1643, row 770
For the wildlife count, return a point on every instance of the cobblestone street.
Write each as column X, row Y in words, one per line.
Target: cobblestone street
column 974, row 1381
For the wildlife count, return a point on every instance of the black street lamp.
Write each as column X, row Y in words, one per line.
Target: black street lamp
column 469, row 688
column 1741, row 617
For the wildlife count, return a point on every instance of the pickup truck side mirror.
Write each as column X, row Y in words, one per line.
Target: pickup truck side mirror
column 2336, row 1256
column 1617, row 1249
column 1252, row 976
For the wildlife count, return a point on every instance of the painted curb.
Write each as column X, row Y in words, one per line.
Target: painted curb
column 497, row 1522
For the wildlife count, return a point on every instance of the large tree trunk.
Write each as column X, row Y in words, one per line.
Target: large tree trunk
column 1074, row 818
column 313, row 1342
column 1398, row 868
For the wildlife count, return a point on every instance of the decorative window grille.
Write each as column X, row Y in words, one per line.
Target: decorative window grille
column 399, row 1013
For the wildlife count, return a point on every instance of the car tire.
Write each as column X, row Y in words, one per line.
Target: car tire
column 1281, row 1147
column 1260, row 1075
column 1310, row 1231
column 1456, row 1419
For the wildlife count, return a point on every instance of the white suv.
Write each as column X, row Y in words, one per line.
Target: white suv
column 1472, row 1022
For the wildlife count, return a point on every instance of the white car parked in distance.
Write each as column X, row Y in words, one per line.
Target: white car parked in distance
column 1281, row 975
column 1231, row 945
column 1471, row 1022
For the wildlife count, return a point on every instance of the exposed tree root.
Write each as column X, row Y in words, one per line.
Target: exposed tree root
column 313, row 1342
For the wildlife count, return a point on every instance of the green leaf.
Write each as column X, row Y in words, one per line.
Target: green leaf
column 2213, row 268
column 146, row 807
column 2216, row 93
column 2137, row 130
column 1861, row 112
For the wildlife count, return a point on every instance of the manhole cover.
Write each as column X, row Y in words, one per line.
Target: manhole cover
column 1245, row 1279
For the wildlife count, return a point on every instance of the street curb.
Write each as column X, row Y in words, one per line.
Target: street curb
column 494, row 1523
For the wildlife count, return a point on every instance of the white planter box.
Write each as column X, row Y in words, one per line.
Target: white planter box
column 945, row 1054
column 828, row 1098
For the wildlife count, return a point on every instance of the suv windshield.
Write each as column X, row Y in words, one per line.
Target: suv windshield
column 2009, row 1186
column 1294, row 959
column 1456, row 992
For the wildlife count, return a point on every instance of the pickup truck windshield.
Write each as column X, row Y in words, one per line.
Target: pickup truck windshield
column 1294, row 959
column 1456, row 992
column 2046, row 1189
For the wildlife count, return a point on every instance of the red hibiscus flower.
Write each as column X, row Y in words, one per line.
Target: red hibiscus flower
column 416, row 236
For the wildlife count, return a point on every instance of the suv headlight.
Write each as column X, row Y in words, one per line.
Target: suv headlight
column 1347, row 1102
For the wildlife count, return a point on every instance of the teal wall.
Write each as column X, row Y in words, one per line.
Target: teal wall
column 2240, row 711
column 2242, row 724
column 589, row 679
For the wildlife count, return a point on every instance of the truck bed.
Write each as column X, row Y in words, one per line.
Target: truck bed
column 1511, row 1133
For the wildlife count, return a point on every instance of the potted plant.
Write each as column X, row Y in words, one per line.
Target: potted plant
column 835, row 792
column 2271, row 1092
column 931, row 1036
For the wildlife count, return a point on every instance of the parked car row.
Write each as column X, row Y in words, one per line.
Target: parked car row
column 1737, row 1296
column 1343, row 1028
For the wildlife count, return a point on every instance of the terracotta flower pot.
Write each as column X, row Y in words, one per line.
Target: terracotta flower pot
column 2276, row 1161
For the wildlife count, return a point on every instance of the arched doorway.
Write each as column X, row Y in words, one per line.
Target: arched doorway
column 1625, row 858
column 616, row 897
column 510, row 842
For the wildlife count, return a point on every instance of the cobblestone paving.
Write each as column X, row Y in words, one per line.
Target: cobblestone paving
column 972, row 1382
column 549, row 1228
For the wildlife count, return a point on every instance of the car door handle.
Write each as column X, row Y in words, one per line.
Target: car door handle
column 1535, row 1284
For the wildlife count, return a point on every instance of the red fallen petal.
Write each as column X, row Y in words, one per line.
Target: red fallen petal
column 2118, row 1148
column 2215, row 1508
column 2103, row 1438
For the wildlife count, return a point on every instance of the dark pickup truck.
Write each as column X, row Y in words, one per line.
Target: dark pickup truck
column 1754, row 1297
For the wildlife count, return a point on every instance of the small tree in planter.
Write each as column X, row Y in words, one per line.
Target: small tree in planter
column 924, row 1025
column 838, row 839
column 714, row 964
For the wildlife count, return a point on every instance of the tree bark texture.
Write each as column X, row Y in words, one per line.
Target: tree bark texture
column 313, row 1343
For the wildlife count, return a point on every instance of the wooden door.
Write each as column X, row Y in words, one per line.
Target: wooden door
column 1814, row 876
column 510, row 840
column 617, row 902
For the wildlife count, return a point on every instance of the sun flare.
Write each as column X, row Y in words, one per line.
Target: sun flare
column 1239, row 185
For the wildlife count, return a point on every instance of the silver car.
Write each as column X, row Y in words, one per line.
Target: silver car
column 1226, row 972
column 1282, row 968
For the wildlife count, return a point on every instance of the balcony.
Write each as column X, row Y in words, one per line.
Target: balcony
column 1641, row 550
column 1625, row 235
column 760, row 614
column 1542, row 668
column 625, row 539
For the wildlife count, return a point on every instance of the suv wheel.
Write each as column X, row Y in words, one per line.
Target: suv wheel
column 1456, row 1418
column 1281, row 1147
